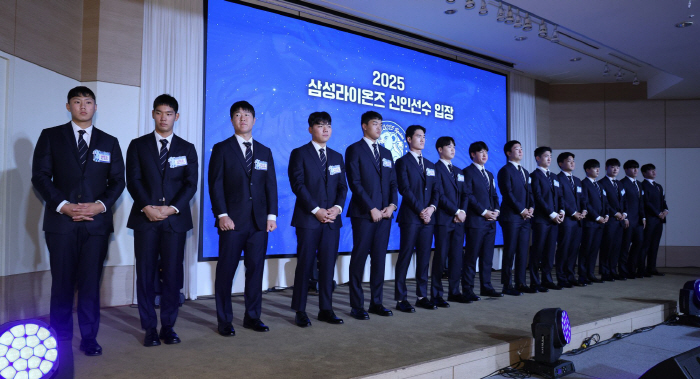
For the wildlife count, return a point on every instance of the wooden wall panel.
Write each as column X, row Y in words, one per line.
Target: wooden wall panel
column 120, row 41
column 682, row 123
column 634, row 124
column 7, row 25
column 577, row 116
column 91, row 36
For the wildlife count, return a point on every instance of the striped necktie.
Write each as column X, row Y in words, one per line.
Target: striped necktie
column 82, row 148
column 376, row 155
column 163, row 153
column 322, row 153
column 248, row 157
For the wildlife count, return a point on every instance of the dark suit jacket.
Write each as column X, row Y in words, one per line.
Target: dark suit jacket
column 418, row 189
column 572, row 199
column 516, row 192
column 370, row 188
column 314, row 188
column 654, row 199
column 616, row 201
column 479, row 199
column 233, row 192
column 148, row 185
column 58, row 176
column 634, row 201
column 453, row 195
column 596, row 203
column 547, row 196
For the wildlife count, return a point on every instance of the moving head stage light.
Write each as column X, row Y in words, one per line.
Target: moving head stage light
column 28, row 350
column 551, row 331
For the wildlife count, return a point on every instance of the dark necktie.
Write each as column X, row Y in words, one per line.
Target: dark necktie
column 639, row 193
column 452, row 171
column 571, row 180
column 522, row 173
column 600, row 191
column 486, row 178
column 248, row 157
column 163, row 153
column 420, row 164
column 323, row 160
column 82, row 148
column 376, row 155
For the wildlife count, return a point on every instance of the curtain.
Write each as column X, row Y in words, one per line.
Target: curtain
column 523, row 125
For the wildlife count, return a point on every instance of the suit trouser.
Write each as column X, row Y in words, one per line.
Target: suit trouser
column 323, row 243
column 480, row 242
column 76, row 259
column 590, row 243
column 568, row 243
column 516, row 241
column 448, row 244
column 420, row 238
column 652, row 239
column 610, row 247
column 631, row 249
column 253, row 243
column 158, row 241
column 544, row 240
column 368, row 238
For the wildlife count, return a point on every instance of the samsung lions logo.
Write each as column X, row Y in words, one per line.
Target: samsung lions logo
column 393, row 137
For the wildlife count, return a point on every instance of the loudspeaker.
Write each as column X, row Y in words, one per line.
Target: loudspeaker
column 682, row 366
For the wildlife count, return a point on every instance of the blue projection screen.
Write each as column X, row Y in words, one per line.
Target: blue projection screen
column 288, row 68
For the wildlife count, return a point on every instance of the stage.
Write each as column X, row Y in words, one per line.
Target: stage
column 463, row 341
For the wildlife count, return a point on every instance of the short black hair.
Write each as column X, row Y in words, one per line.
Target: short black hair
column 612, row 162
column 631, row 164
column 81, row 91
column 564, row 156
column 369, row 116
column 412, row 130
column 319, row 117
column 648, row 167
column 477, row 146
column 509, row 146
column 541, row 150
column 165, row 99
column 241, row 106
column 591, row 163
column 444, row 141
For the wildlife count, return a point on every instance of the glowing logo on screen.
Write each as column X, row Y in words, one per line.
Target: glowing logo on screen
column 393, row 137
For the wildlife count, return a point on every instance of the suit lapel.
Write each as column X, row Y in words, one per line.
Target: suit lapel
column 313, row 156
column 453, row 180
column 70, row 141
column 415, row 164
column 369, row 151
column 94, row 141
column 152, row 149
column 233, row 144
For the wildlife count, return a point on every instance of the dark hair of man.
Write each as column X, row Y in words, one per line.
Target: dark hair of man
column 369, row 116
column 541, row 150
column 591, row 163
column 165, row 99
column 564, row 156
column 631, row 164
column 648, row 167
column 319, row 118
column 612, row 162
column 508, row 147
column 412, row 130
column 444, row 141
column 241, row 106
column 477, row 147
column 81, row 91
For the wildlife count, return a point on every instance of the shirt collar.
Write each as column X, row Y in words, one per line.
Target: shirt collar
column 478, row 166
column 76, row 128
column 567, row 173
column 370, row 143
column 319, row 147
column 241, row 140
column 168, row 138
column 611, row 179
column 415, row 155
column 446, row 162
column 631, row 179
column 545, row 170
column 649, row 180
column 516, row 164
column 591, row 179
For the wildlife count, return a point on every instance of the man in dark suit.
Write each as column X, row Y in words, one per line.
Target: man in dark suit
column 482, row 212
column 569, row 234
column 420, row 193
column 243, row 192
column 517, row 209
column 317, row 178
column 372, row 180
column 633, row 234
column 161, row 176
column 449, row 225
column 549, row 213
column 612, row 231
column 656, row 210
column 597, row 216
column 79, row 172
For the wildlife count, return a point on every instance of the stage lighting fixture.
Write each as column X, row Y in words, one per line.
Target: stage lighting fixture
column 552, row 331
column 555, row 35
column 470, row 4
column 518, row 20
column 635, row 82
column 689, row 303
column 606, row 70
column 501, row 14
column 619, row 74
column 543, row 30
column 527, row 26
column 28, row 349
column 509, row 18
column 483, row 11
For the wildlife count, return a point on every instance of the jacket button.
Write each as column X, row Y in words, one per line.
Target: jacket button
column 79, row 196
column 251, row 184
column 250, row 198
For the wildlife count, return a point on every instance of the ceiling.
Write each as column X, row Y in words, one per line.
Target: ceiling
column 641, row 33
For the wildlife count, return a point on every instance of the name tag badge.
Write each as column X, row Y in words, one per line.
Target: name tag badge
column 642, row 192
column 604, row 193
column 578, row 189
column 622, row 192
column 101, row 156
column 260, row 165
column 529, row 180
column 333, row 170
column 460, row 177
column 556, row 183
column 177, row 161
column 429, row 172
column 386, row 162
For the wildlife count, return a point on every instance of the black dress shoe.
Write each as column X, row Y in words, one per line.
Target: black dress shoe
column 657, row 273
column 91, row 348
column 639, row 275
column 471, row 296
column 405, row 306
column 440, row 302
column 490, row 292
column 459, row 298
column 607, row 278
column 593, row 279
column 329, row 317
column 380, row 310
column 577, row 283
column 169, row 336
column 359, row 314
column 620, row 277
column 525, row 289
column 539, row 288
column 551, row 286
column 151, row 338
column 512, row 292
column 566, row 285
column 425, row 303
column 647, row 275
column 302, row 320
column 255, row 324
column 226, row 330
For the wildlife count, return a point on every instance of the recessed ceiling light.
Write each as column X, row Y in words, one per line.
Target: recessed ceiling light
column 576, row 59
column 451, row 11
column 520, row 38
column 450, row 1
column 684, row 24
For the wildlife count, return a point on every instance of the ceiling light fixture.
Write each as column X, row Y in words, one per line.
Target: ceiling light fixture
column 635, row 82
column 606, row 70
column 555, row 35
column 684, row 24
column 575, row 59
column 483, row 11
column 501, row 13
column 470, row 4
column 527, row 26
column 619, row 75
column 518, row 20
column 543, row 30
column 509, row 19
column 520, row 38
column 450, row 1
column 451, row 11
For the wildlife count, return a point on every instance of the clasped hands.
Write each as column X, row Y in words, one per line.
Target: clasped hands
column 82, row 211
column 528, row 213
column 327, row 216
column 378, row 215
column 158, row 212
